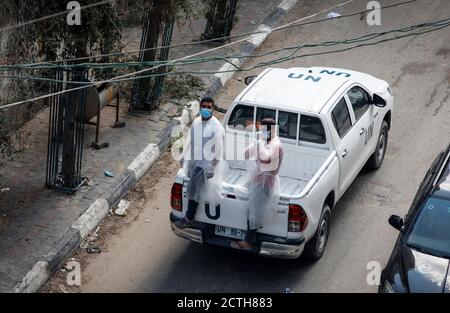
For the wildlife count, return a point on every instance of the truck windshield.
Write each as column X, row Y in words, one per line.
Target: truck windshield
column 431, row 229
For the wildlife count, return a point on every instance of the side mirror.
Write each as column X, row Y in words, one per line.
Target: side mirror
column 378, row 101
column 249, row 79
column 396, row 222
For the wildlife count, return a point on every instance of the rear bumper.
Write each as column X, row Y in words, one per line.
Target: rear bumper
column 265, row 245
column 281, row 251
column 188, row 233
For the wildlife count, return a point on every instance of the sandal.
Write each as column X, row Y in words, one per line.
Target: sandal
column 236, row 245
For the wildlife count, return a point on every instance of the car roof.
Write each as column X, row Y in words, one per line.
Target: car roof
column 442, row 187
column 301, row 89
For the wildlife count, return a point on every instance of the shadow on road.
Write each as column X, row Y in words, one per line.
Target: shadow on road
column 215, row 269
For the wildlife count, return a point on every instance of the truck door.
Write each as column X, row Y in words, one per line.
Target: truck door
column 347, row 144
column 364, row 122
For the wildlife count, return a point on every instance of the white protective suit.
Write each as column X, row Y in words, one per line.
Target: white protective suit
column 264, row 181
column 202, row 157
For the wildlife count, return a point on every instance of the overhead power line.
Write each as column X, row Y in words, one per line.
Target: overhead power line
column 437, row 26
column 53, row 64
column 195, row 42
column 296, row 48
column 145, row 70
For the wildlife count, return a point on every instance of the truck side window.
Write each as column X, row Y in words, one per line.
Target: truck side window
column 287, row 124
column 262, row 113
column 242, row 117
column 341, row 118
column 359, row 99
column 311, row 129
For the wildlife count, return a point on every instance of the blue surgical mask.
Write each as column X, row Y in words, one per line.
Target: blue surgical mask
column 266, row 134
column 205, row 113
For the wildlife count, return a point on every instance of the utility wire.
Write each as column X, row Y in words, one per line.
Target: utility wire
column 51, row 64
column 284, row 27
column 282, row 60
column 137, row 72
column 112, row 79
column 195, row 42
column 442, row 24
column 290, row 25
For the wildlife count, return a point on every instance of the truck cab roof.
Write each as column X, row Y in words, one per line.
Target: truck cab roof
column 302, row 89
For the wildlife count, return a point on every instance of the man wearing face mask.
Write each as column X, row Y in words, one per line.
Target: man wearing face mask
column 264, row 182
column 201, row 155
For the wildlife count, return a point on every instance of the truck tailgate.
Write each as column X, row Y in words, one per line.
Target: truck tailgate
column 231, row 211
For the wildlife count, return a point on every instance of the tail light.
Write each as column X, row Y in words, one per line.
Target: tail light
column 176, row 197
column 298, row 220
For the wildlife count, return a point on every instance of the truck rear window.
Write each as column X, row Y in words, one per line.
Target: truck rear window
column 311, row 129
column 242, row 117
column 262, row 113
column 287, row 124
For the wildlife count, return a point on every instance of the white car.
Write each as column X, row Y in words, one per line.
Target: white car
column 331, row 121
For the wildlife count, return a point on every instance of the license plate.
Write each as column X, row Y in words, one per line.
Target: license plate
column 230, row 232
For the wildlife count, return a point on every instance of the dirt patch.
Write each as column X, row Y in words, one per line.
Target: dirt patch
column 444, row 51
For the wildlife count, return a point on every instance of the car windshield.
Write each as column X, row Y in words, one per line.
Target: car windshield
column 431, row 229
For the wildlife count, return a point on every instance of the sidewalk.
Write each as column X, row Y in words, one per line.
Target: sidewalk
column 39, row 228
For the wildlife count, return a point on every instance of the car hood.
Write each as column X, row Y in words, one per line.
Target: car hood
column 424, row 272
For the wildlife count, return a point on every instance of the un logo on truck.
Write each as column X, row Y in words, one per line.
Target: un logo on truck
column 208, row 212
column 369, row 134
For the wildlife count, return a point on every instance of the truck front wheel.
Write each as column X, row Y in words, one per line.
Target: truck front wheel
column 315, row 247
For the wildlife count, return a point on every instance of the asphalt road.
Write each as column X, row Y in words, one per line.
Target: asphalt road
column 144, row 256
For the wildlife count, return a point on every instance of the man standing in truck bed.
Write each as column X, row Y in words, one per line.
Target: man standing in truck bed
column 264, row 182
column 202, row 153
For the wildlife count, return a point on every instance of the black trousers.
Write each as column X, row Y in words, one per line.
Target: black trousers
column 251, row 234
column 192, row 209
column 197, row 181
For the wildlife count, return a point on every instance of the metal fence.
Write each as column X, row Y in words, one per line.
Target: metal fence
column 220, row 19
column 66, row 134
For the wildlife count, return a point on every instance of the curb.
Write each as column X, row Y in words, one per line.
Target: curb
column 89, row 220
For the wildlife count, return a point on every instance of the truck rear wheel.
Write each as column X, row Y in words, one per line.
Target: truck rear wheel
column 376, row 159
column 315, row 247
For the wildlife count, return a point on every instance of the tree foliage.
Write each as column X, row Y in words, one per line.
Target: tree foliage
column 53, row 39
column 48, row 40
column 181, row 10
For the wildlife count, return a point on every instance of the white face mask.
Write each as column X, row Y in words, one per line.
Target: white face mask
column 265, row 134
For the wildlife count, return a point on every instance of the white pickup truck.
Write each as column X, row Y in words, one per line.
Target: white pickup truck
column 332, row 122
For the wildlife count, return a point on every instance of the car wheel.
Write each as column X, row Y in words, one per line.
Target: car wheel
column 376, row 159
column 315, row 247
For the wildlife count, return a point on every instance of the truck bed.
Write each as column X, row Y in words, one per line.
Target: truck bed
column 239, row 178
column 297, row 170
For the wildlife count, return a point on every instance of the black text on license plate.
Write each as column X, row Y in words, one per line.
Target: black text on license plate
column 230, row 232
